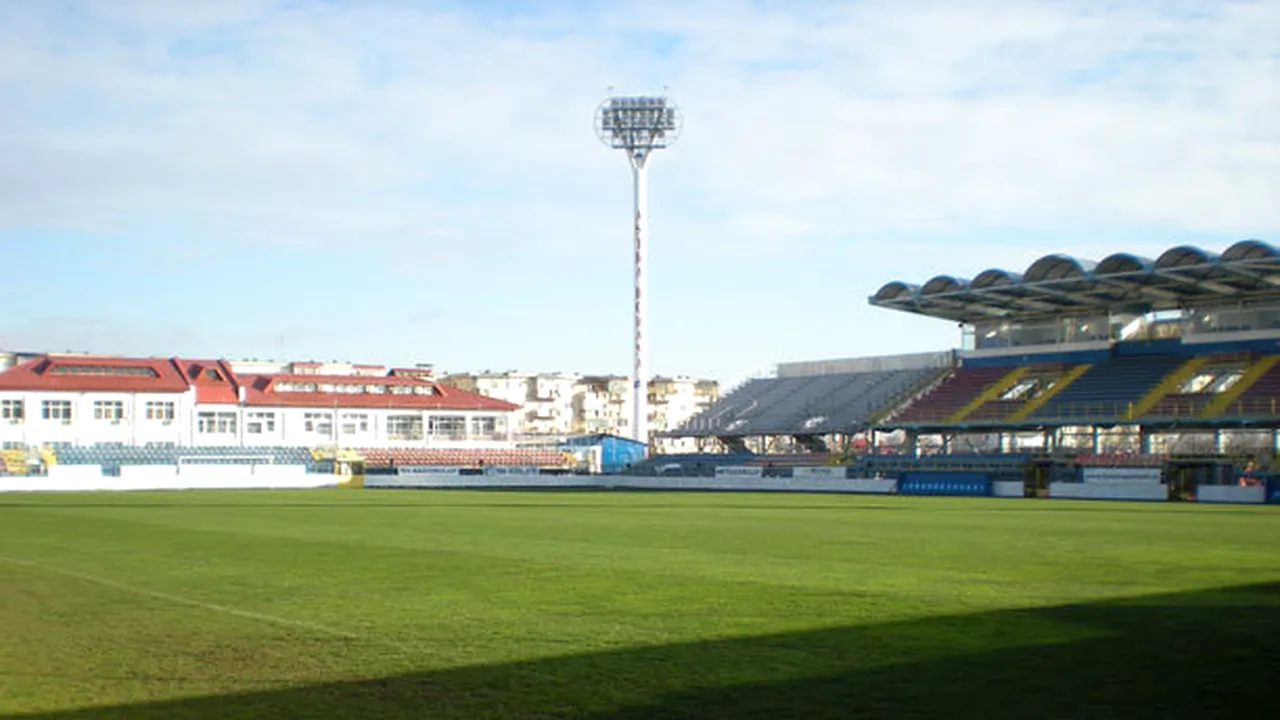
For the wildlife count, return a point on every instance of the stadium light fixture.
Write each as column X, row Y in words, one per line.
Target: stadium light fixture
column 639, row 125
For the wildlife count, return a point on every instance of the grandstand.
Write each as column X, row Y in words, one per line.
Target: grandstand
column 427, row 457
column 111, row 458
column 1069, row 360
column 1146, row 377
column 809, row 408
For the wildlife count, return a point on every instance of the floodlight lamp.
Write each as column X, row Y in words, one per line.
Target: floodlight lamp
column 638, row 125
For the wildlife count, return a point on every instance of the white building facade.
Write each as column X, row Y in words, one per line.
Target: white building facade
column 59, row 401
column 559, row 404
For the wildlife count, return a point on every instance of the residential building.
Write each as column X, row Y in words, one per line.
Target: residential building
column 560, row 404
column 81, row 400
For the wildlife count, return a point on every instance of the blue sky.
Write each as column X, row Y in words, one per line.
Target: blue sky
column 398, row 181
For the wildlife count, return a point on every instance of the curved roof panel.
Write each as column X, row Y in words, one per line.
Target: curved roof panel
column 994, row 278
column 1057, row 267
column 1123, row 263
column 1061, row 285
column 1183, row 256
column 1246, row 250
column 943, row 284
column 896, row 290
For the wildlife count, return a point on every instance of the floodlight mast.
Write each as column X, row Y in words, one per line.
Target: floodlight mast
column 639, row 125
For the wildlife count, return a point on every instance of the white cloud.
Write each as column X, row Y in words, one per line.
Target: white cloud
column 812, row 128
column 882, row 116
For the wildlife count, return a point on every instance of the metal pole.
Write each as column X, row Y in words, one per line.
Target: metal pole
column 640, row 384
column 639, row 125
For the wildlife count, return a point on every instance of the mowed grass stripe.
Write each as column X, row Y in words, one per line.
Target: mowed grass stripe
column 165, row 597
column 520, row 584
column 833, row 545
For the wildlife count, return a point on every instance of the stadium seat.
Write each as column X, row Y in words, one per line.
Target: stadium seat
column 814, row 404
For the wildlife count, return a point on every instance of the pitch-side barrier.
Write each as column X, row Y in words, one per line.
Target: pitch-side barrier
column 72, row 478
column 748, row 479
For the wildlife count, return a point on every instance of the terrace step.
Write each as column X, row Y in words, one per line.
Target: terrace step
column 1034, row 403
column 993, row 391
column 1170, row 384
column 1255, row 373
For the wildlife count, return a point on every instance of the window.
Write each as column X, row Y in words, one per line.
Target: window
column 160, row 410
column 108, row 410
column 216, row 423
column 353, row 423
column 404, row 427
column 56, row 410
column 485, row 427
column 259, row 422
column 355, row 388
column 444, row 426
column 119, row 371
column 320, row 423
column 11, row 409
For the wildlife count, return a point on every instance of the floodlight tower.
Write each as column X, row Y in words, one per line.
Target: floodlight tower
column 639, row 125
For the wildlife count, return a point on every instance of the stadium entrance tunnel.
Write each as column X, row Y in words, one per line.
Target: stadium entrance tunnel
column 1190, row 655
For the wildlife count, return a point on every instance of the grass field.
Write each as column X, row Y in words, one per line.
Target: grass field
column 404, row 604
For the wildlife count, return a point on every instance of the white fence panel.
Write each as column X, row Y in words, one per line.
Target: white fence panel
column 1007, row 488
column 1253, row 494
column 1109, row 491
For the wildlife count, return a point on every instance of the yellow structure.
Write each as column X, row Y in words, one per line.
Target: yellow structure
column 1036, row 402
column 993, row 392
column 15, row 462
column 1255, row 372
column 1169, row 385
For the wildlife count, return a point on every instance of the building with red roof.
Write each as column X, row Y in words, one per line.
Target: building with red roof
column 53, row 400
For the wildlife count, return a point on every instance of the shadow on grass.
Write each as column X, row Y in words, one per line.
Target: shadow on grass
column 1192, row 655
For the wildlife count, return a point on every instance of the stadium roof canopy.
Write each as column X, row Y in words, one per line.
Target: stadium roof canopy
column 1183, row 276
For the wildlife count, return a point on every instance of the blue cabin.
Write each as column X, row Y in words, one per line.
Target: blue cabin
column 615, row 452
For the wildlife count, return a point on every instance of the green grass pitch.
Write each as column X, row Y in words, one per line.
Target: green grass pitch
column 413, row 604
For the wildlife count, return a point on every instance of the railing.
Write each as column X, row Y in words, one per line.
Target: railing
column 1167, row 409
column 1252, row 407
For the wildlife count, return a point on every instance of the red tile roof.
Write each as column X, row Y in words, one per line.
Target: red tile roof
column 82, row 373
column 412, row 372
column 215, row 383
column 265, row 390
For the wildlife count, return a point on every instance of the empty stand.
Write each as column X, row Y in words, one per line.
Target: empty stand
column 1108, row 390
column 1257, row 396
column 462, row 457
column 782, row 460
column 112, row 457
column 1002, row 467
column 1202, row 384
column 808, row 405
column 1120, row 459
column 1025, row 393
column 15, row 462
column 951, row 395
